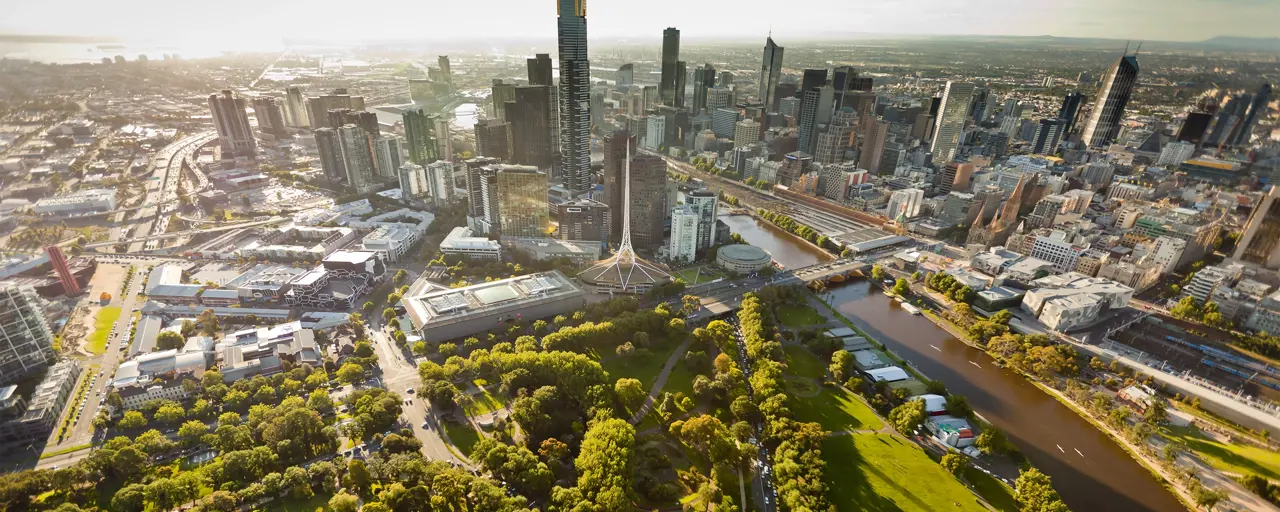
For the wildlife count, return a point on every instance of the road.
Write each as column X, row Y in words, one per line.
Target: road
column 762, row 482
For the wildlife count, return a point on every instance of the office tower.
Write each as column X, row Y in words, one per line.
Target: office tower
column 1108, row 110
column 413, row 181
column 419, row 132
column 790, row 107
column 1070, row 109
column 704, row 203
column 478, row 170
column 874, row 136
column 1257, row 108
column 794, row 165
column 980, row 104
column 846, row 81
column 318, row 107
column 650, row 95
column 815, row 110
column 270, row 115
column 832, row 143
column 704, row 78
column 648, row 205
column 906, row 203
column 585, row 219
column 387, row 151
column 522, row 202
column 770, row 75
column 539, row 68
column 70, row 287
column 682, row 246
column 812, row 79
column 502, row 93
column 597, row 106
column 719, row 97
column 234, row 134
column 952, row 112
column 439, row 176
column 670, row 55
column 446, row 71
column 725, row 80
column 358, row 157
column 655, row 133
column 1174, row 153
column 746, row 131
column 960, row 208
column 922, row 127
column 444, row 139
column 1048, row 134
column 682, row 80
column 723, row 121
column 26, row 343
column 996, row 145
column 575, row 93
column 295, row 108
column 626, row 75
column 1259, row 242
column 947, row 177
column 1011, row 117
column 332, row 162
column 617, row 145
column 1194, row 127
column 528, row 117
column 493, row 139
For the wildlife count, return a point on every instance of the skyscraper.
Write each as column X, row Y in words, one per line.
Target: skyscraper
column 746, row 131
column 617, row 145
column 446, row 71
column 234, row 134
column 540, row 74
column 270, row 115
column 703, row 202
column 332, row 162
column 812, row 79
column 528, row 117
column 522, row 202
column 770, row 75
column 845, row 80
column 682, row 78
column 413, row 180
column 295, row 107
column 500, row 94
column 419, row 130
column 1070, row 109
column 1048, row 134
column 444, row 138
column 683, row 244
column 387, row 156
column 493, row 138
column 952, row 112
column 1108, row 111
column 1256, row 110
column 575, row 95
column 670, row 55
column 1259, row 243
column 439, row 177
column 26, row 343
column 318, row 108
column 626, row 75
column 648, row 203
column 358, row 155
column 815, row 110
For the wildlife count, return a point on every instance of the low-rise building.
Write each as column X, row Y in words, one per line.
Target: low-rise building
column 461, row 242
column 164, row 284
column 292, row 243
column 544, row 249
column 392, row 241
column 438, row 315
column 263, row 350
column 264, row 283
column 84, row 202
column 159, row 375
column 742, row 258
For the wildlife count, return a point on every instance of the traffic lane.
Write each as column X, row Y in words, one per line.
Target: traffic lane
column 400, row 376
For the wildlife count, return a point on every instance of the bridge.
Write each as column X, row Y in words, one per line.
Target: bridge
column 191, row 232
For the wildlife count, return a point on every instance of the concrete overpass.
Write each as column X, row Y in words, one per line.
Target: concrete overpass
column 193, row 232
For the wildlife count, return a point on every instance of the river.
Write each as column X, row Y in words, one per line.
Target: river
column 786, row 249
column 1091, row 471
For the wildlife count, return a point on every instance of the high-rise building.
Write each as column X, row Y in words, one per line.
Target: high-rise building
column 794, row 165
column 682, row 247
column 318, row 107
column 575, row 95
column 704, row 78
column 874, row 136
column 1257, row 109
column 1194, row 127
column 704, row 202
column 539, row 68
column 836, row 138
column 419, row 131
column 332, row 163
column 670, row 55
column 626, row 75
column 626, row 272
column 846, row 81
column 585, row 219
column 961, row 208
column 815, row 110
column 724, row 121
column 655, row 133
column 387, row 156
column 501, row 94
column 358, row 154
column 528, row 117
column 1048, row 133
column 522, row 202
column 478, row 170
column 440, row 182
column 746, row 131
column 952, row 113
column 270, row 115
column 295, row 108
column 1108, row 111
column 1070, row 109
column 444, row 138
column 446, row 71
column 682, row 79
column 719, row 97
column 26, row 343
column 70, row 287
column 1176, row 152
column 648, row 200
column 725, row 80
column 906, row 203
column 413, row 181
column 770, row 74
column 229, row 117
column 812, row 79
column 617, row 145
column 493, row 139
column 1259, row 243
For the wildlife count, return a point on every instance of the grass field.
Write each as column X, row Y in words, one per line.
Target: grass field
column 462, row 436
column 997, row 493
column 485, row 401
column 836, row 410
column 799, row 316
column 1233, row 458
column 643, row 368
column 680, row 380
column 801, row 362
column 880, row 472
column 102, row 323
column 701, row 274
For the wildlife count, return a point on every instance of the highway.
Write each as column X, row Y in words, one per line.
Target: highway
column 190, row 232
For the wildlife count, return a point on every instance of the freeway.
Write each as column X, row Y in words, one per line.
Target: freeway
column 191, row 232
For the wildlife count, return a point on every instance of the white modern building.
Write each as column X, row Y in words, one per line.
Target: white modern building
column 1176, row 152
column 26, row 343
column 1058, row 250
column 413, row 181
column 655, row 132
column 444, row 314
column 1073, row 300
column 746, row 131
column 393, row 241
column 440, row 182
column 84, row 202
column 905, row 202
column 683, row 245
column 461, row 242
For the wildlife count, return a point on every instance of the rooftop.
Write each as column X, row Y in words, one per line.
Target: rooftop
column 434, row 305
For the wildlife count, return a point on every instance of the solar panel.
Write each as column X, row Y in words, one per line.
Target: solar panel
column 448, row 303
column 539, row 284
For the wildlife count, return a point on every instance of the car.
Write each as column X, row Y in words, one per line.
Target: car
column 410, row 391
column 426, row 425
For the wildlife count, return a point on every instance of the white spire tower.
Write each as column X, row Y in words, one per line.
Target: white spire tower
column 625, row 271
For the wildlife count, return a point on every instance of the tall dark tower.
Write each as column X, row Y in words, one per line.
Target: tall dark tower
column 1240, row 136
column 1108, row 111
column 704, row 78
column 682, row 74
column 670, row 55
column 1070, row 109
column 770, row 75
column 528, row 118
column 575, row 95
column 540, row 74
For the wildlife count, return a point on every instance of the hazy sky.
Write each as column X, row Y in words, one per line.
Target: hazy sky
column 224, row 22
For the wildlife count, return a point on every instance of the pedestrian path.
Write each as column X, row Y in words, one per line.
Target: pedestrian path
column 661, row 381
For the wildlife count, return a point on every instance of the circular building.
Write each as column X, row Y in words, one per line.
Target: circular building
column 742, row 258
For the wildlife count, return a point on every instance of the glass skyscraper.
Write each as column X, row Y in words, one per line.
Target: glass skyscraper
column 1104, row 121
column 575, row 95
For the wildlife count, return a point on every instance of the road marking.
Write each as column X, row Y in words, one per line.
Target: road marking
column 1060, row 448
column 1078, row 452
column 975, row 364
column 935, row 347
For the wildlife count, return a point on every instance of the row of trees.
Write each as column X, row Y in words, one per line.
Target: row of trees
column 948, row 286
column 800, row 230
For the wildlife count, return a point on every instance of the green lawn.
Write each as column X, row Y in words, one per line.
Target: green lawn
column 880, row 472
column 997, row 493
column 463, row 436
column 1234, row 458
column 702, row 274
column 799, row 316
column 485, row 401
column 836, row 410
column 680, row 380
column 643, row 368
column 102, row 323
column 803, row 363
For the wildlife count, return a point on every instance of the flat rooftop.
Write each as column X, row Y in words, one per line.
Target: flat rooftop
column 434, row 305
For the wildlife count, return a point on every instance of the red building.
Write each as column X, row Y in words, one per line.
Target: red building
column 68, row 280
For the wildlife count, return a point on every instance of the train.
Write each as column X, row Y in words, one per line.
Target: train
column 1227, row 356
column 1238, row 373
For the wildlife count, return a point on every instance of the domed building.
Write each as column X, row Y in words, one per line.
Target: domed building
column 743, row 258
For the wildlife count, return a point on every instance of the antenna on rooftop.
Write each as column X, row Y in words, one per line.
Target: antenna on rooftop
column 1126, row 47
column 1135, row 52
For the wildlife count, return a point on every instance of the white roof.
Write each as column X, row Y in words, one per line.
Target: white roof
column 934, row 403
column 888, row 374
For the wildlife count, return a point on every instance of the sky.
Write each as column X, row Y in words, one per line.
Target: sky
column 245, row 23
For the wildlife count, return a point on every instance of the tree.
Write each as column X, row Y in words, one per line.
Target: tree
column 388, row 314
column 908, row 416
column 357, row 476
column 1187, row 309
column 901, row 287
column 350, row 373
column 958, row 406
column 954, row 463
column 208, row 323
column 400, row 277
column 877, row 273
column 841, row 362
column 132, row 420
column 630, row 392
column 1206, row 497
column 169, row 340
column 1036, row 494
column 690, row 304
column 192, row 432
column 130, row 498
column 368, row 307
column 992, row 440
column 343, row 502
